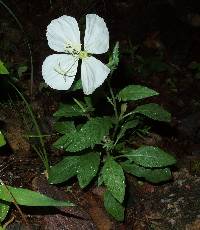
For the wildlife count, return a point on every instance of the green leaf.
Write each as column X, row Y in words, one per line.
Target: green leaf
column 90, row 134
column 88, row 167
column 88, row 102
column 100, row 178
column 120, row 147
column 113, row 177
column 2, row 139
column 76, row 85
column 69, row 111
column 134, row 169
column 154, row 111
column 149, row 156
column 64, row 141
column 151, row 175
column 127, row 125
column 85, row 167
column 29, row 198
column 158, row 175
column 3, row 69
column 114, row 58
column 4, row 208
column 135, row 92
column 65, row 127
column 64, row 170
column 113, row 207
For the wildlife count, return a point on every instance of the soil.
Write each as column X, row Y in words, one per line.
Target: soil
column 160, row 29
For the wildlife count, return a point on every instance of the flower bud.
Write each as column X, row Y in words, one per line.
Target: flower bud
column 123, row 108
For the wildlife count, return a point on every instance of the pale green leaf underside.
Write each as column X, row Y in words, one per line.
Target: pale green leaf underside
column 135, row 92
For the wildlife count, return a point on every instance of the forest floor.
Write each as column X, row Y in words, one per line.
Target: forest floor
column 154, row 63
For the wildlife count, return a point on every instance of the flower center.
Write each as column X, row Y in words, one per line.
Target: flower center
column 72, row 49
column 83, row 54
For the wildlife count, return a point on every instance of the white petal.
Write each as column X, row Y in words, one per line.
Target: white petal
column 62, row 32
column 59, row 71
column 96, row 40
column 93, row 74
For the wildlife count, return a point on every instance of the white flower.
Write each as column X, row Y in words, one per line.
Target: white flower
column 63, row 35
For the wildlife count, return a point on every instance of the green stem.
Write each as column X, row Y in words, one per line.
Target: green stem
column 121, row 156
column 117, row 139
column 126, row 115
column 113, row 101
column 43, row 155
column 114, row 104
column 79, row 104
column 36, row 136
column 82, row 107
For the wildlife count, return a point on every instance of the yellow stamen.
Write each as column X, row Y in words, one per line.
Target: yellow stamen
column 83, row 54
